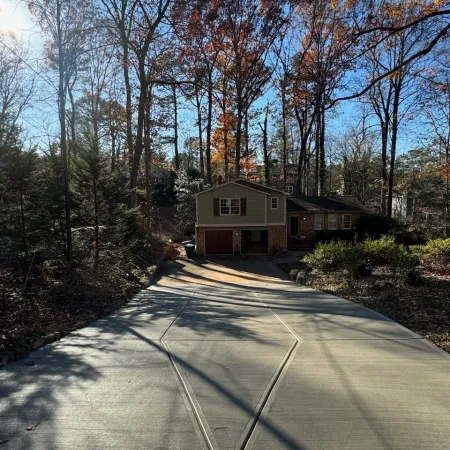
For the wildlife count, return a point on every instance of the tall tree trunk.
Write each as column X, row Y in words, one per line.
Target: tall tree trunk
column 200, row 134
column 395, row 120
column 284, row 131
column 317, row 153
column 384, row 172
column 208, row 130
column 247, row 147
column 71, row 150
column 237, row 160
column 113, row 150
column 140, row 129
column 265, row 150
column 62, row 121
column 148, row 155
column 175, row 126
column 126, row 77
column 322, row 164
column 23, row 227
column 96, row 227
column 305, row 131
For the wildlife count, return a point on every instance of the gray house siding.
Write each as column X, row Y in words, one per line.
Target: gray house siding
column 276, row 215
column 256, row 209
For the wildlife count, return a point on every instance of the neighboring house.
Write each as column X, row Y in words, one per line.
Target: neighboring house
column 402, row 206
column 291, row 178
column 241, row 217
column 307, row 216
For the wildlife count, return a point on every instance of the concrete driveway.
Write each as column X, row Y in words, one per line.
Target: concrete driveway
column 231, row 355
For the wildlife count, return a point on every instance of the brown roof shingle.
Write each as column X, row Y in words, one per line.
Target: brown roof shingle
column 346, row 203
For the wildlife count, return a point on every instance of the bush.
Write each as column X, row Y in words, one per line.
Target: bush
column 335, row 257
column 386, row 252
column 358, row 259
column 380, row 251
column 434, row 255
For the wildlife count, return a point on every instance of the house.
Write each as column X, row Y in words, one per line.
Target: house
column 241, row 217
column 309, row 215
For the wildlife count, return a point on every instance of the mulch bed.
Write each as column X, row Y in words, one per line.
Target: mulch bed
column 424, row 309
column 51, row 307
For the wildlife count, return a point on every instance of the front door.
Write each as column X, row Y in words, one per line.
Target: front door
column 293, row 226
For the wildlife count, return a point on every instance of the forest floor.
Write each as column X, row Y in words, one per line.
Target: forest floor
column 424, row 309
column 50, row 305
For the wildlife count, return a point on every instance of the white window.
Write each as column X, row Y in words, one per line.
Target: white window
column 290, row 189
column 235, row 206
column 332, row 221
column 230, row 206
column 318, row 221
column 346, row 221
column 274, row 202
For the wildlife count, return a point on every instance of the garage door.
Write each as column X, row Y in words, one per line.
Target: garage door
column 219, row 242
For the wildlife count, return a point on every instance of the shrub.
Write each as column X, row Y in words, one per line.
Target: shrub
column 335, row 257
column 386, row 252
column 435, row 254
column 357, row 259
column 380, row 251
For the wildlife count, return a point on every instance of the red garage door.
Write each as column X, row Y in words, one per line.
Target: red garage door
column 219, row 242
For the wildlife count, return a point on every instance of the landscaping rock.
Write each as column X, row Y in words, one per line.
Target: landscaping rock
column 38, row 343
column 293, row 274
column 301, row 277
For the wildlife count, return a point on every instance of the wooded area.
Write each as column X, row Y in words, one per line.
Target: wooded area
column 263, row 80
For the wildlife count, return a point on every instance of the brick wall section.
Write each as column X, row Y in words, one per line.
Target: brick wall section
column 200, row 240
column 277, row 238
column 307, row 221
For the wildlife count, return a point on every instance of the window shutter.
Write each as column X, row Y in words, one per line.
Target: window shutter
column 243, row 206
column 216, row 207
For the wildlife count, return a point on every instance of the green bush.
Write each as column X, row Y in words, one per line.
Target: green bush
column 435, row 254
column 386, row 252
column 380, row 251
column 357, row 259
column 335, row 257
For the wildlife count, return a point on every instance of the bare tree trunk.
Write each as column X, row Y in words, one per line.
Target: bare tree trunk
column 284, row 131
column 175, row 126
column 322, row 164
column 208, row 130
column 62, row 121
column 140, row 129
column 96, row 227
column 246, row 135
column 126, row 77
column 23, row 228
column 384, row 173
column 237, row 163
column 200, row 134
column 265, row 150
column 317, row 154
column 71, row 152
column 395, row 120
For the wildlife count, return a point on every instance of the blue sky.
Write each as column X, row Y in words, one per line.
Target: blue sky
column 41, row 119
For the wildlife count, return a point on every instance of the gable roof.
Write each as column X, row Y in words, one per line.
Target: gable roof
column 312, row 203
column 247, row 184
